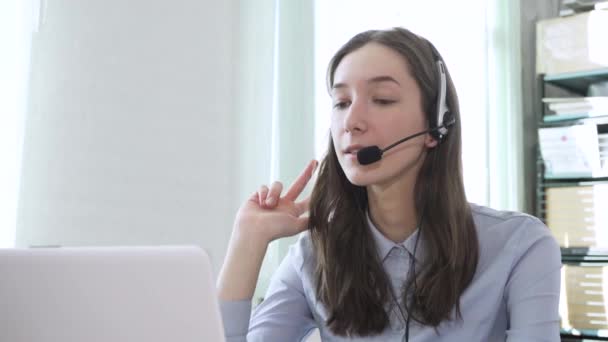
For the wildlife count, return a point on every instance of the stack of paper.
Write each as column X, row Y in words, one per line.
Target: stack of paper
column 577, row 215
column 576, row 107
column 572, row 44
column 583, row 304
column 573, row 152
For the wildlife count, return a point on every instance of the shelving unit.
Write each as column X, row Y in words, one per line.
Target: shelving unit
column 575, row 257
column 577, row 82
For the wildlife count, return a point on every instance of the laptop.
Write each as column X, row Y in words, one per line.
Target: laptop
column 109, row 294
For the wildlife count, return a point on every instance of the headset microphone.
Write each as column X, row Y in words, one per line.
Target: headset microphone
column 372, row 154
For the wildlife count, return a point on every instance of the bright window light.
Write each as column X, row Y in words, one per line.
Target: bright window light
column 16, row 23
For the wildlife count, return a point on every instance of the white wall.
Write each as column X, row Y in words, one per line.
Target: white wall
column 129, row 132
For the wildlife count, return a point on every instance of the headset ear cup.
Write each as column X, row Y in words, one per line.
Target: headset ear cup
column 448, row 120
column 437, row 136
column 443, row 116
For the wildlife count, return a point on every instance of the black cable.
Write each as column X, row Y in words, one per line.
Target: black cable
column 413, row 267
column 412, row 270
column 405, row 320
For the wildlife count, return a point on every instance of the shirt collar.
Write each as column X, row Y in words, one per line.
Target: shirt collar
column 384, row 245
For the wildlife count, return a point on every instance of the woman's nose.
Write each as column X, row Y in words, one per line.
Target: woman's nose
column 355, row 118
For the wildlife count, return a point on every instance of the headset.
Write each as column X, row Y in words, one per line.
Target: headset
column 444, row 118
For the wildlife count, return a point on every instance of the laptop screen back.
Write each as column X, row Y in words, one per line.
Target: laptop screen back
column 117, row 294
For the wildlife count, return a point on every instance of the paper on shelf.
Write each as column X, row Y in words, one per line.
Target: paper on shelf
column 578, row 104
column 570, row 152
column 573, row 43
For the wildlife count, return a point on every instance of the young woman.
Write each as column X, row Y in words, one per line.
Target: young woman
column 392, row 249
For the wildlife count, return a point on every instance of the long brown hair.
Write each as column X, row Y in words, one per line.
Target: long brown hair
column 351, row 281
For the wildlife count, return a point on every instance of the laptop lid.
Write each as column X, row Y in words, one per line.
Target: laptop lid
column 118, row 294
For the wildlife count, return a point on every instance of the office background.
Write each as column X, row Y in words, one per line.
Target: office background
column 149, row 122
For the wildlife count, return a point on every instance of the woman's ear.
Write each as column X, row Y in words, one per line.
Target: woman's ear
column 430, row 141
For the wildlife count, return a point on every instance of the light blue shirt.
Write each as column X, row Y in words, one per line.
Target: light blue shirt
column 514, row 295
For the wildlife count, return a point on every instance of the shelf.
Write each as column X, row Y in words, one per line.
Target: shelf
column 557, row 182
column 557, row 120
column 578, row 81
column 576, row 177
column 595, row 335
column 591, row 259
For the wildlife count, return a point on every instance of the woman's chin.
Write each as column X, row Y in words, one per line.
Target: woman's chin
column 358, row 178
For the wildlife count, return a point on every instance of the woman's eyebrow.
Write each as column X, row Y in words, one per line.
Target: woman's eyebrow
column 377, row 79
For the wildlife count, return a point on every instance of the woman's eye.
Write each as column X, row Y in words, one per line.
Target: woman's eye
column 384, row 102
column 341, row 104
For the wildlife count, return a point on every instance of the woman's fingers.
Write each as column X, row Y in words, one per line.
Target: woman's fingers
column 270, row 197
column 300, row 183
column 274, row 194
column 262, row 193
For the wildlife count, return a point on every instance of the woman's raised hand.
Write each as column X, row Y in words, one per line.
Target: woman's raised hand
column 269, row 215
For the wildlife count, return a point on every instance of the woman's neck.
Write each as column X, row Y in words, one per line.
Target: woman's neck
column 392, row 209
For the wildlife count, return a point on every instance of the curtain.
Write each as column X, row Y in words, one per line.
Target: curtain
column 504, row 107
column 275, row 104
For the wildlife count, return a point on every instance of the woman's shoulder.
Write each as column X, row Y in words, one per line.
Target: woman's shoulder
column 301, row 252
column 499, row 231
column 488, row 219
column 494, row 216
